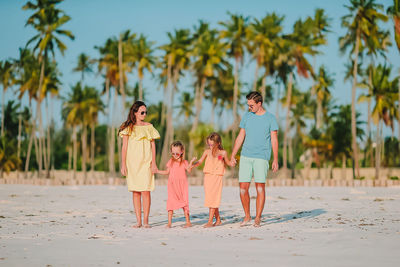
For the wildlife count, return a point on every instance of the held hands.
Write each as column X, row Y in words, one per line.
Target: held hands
column 191, row 163
column 233, row 161
column 154, row 168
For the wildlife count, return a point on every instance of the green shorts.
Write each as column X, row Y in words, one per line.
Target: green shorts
column 253, row 167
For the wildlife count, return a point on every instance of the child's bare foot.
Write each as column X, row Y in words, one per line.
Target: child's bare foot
column 168, row 226
column 208, row 225
column 138, row 225
column 257, row 222
column 245, row 221
column 146, row 225
column 217, row 223
column 187, row 225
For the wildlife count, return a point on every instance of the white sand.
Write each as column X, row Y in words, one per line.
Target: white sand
column 302, row 226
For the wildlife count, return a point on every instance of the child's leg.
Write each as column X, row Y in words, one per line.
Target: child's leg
column 210, row 218
column 137, row 204
column 217, row 217
column 146, row 208
column 187, row 217
column 170, row 214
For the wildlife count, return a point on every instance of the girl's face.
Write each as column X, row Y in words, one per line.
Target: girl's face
column 141, row 113
column 176, row 152
column 211, row 143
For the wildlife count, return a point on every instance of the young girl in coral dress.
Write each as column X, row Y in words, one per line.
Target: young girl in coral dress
column 214, row 169
column 139, row 159
column 178, row 188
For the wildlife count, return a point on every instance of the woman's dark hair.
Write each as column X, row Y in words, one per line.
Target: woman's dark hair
column 256, row 96
column 216, row 138
column 131, row 120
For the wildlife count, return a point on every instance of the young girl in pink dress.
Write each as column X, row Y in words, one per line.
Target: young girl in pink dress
column 214, row 170
column 178, row 188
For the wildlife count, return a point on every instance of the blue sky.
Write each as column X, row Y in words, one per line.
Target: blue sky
column 95, row 21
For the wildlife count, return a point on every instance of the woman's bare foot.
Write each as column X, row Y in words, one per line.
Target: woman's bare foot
column 187, row 225
column 257, row 222
column 217, row 223
column 146, row 225
column 208, row 225
column 245, row 221
column 138, row 225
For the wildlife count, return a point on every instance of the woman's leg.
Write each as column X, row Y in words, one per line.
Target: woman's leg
column 146, row 208
column 187, row 217
column 217, row 217
column 170, row 214
column 210, row 218
column 137, row 205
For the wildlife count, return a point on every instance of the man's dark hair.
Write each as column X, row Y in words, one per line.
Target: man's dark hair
column 256, row 96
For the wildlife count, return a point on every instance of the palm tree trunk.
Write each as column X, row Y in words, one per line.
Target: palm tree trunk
column 263, row 89
column 140, row 89
column 285, row 136
column 198, row 102
column 256, row 76
column 39, row 150
column 278, row 95
column 19, row 140
column 92, row 145
column 344, row 166
column 378, row 151
column 69, row 156
column 168, row 95
column 75, row 150
column 28, row 154
column 235, row 97
column 48, row 140
column 353, row 107
column 121, row 72
column 319, row 114
column 2, row 112
column 84, row 141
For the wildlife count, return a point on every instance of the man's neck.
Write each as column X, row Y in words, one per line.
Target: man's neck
column 261, row 111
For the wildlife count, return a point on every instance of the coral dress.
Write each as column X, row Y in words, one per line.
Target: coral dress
column 178, row 187
column 214, row 170
column 139, row 157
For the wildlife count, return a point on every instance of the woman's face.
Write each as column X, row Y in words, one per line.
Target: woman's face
column 176, row 152
column 141, row 113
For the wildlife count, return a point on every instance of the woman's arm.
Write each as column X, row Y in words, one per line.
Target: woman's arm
column 154, row 168
column 124, row 150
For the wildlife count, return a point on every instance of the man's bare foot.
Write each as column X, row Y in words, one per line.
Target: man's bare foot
column 187, row 225
column 217, row 223
column 168, row 226
column 257, row 222
column 146, row 225
column 138, row 225
column 208, row 225
column 245, row 221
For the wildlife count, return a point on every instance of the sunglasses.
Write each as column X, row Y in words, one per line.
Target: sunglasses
column 143, row 112
column 176, row 154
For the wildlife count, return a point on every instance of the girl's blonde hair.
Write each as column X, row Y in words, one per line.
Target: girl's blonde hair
column 216, row 138
column 182, row 147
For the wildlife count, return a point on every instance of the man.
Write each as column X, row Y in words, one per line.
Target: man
column 259, row 131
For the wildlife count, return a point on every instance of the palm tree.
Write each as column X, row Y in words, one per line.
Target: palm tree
column 321, row 88
column 263, row 37
column 209, row 55
column 186, row 106
column 143, row 54
column 234, row 32
column 294, row 49
column 383, row 92
column 175, row 60
column 394, row 12
column 84, row 65
column 361, row 24
column 6, row 80
column 46, row 20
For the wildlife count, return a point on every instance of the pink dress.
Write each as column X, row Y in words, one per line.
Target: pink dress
column 214, row 170
column 178, row 187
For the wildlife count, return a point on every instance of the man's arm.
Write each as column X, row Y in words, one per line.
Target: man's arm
column 238, row 143
column 274, row 143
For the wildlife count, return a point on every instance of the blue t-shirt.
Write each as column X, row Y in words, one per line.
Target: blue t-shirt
column 257, row 143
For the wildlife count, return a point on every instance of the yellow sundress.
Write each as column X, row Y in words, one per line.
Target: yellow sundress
column 139, row 157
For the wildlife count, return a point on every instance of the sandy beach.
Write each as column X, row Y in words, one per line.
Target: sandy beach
column 302, row 226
